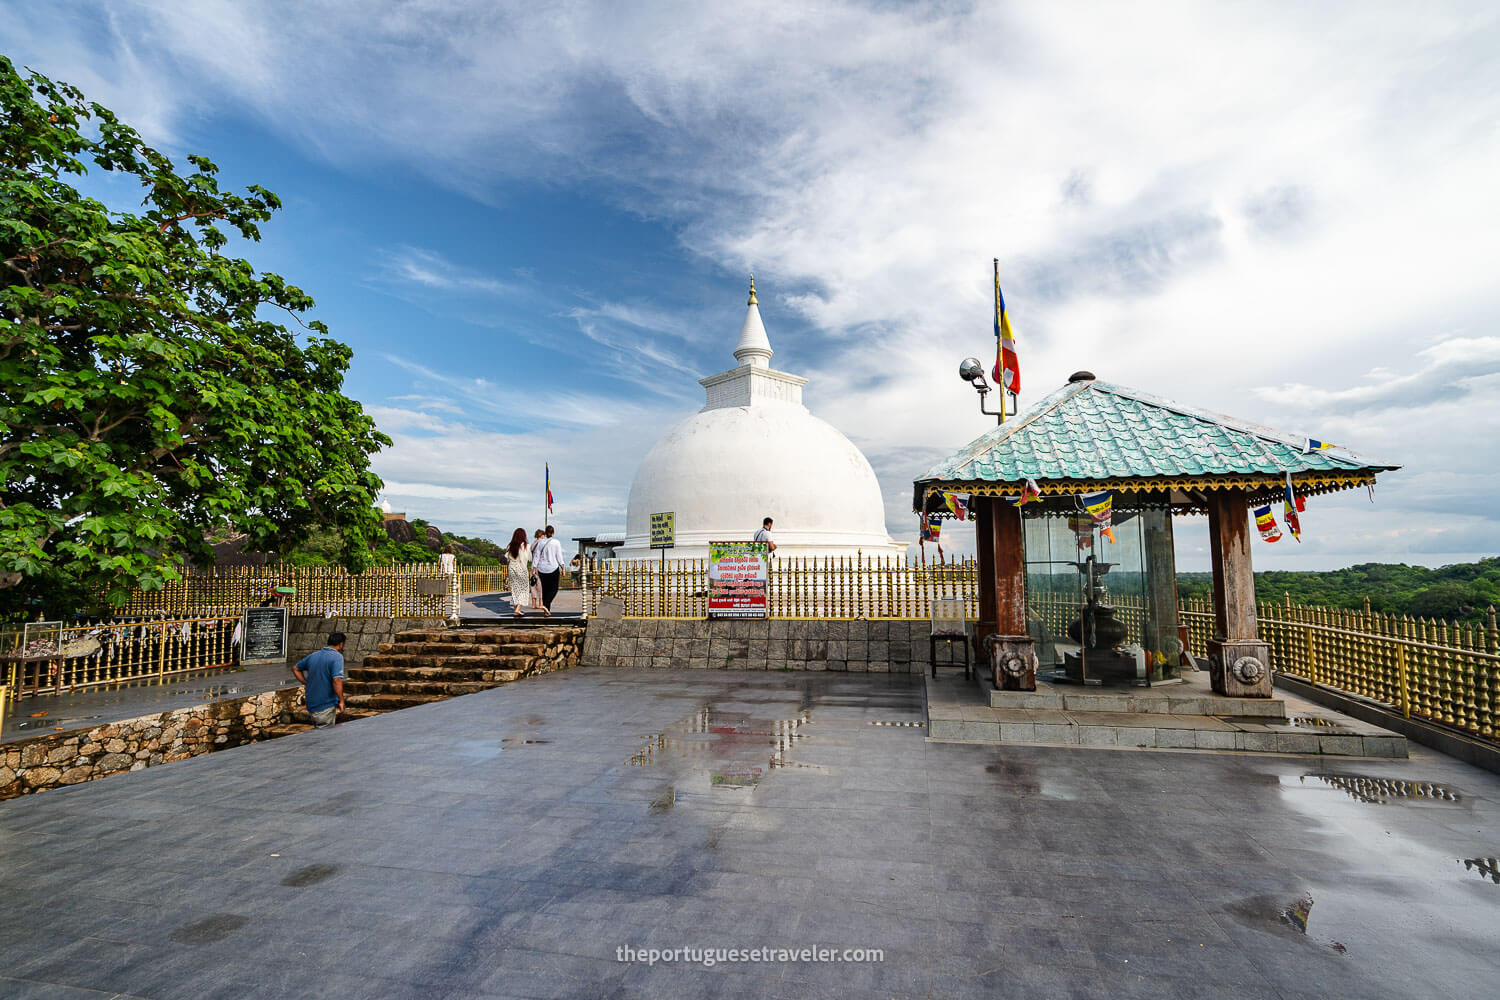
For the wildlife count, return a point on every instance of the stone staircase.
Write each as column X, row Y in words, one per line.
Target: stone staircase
column 426, row 665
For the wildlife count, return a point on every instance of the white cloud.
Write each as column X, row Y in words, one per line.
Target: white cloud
column 1200, row 200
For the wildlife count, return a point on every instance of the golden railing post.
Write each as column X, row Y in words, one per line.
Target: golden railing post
column 1405, row 705
column 1491, row 635
column 161, row 654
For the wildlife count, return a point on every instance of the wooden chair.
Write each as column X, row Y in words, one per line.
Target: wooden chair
column 950, row 625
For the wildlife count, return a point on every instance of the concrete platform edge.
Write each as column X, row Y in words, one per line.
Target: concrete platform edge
column 1444, row 741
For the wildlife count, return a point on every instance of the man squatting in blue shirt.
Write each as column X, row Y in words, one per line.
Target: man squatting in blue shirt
column 322, row 673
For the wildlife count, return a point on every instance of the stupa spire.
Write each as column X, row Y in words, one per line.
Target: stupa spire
column 754, row 348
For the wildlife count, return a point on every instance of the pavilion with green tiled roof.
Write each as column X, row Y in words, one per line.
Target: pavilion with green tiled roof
column 1092, row 435
column 1154, row 455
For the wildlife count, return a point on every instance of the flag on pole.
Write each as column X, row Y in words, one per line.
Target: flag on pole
column 1291, row 504
column 1266, row 522
column 549, row 487
column 1314, row 444
column 1007, row 370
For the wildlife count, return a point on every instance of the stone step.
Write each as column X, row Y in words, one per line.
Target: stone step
column 1148, row 732
column 453, row 674
column 286, row 729
column 450, row 689
column 385, row 661
column 454, row 637
column 467, row 649
column 1164, row 699
column 378, row 703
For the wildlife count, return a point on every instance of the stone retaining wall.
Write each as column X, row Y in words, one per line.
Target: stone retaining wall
column 855, row 646
column 306, row 633
column 57, row 759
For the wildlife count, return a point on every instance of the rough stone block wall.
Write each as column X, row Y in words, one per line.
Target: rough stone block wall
column 306, row 633
column 854, row 646
column 57, row 759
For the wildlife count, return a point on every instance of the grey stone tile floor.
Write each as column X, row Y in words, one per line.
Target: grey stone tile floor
column 507, row 843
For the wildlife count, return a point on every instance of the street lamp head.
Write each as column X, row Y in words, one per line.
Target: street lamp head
column 971, row 370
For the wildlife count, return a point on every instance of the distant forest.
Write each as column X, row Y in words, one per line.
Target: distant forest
column 1460, row 592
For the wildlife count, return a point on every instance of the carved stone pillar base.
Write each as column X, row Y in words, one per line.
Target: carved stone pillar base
column 1240, row 668
column 1013, row 660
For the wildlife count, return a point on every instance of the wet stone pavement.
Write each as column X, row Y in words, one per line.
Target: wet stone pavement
column 509, row 843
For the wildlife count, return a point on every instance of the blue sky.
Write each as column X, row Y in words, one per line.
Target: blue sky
column 534, row 224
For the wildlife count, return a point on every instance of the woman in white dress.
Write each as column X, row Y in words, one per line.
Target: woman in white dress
column 518, row 572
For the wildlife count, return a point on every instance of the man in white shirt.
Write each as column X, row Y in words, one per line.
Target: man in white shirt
column 764, row 535
column 547, row 557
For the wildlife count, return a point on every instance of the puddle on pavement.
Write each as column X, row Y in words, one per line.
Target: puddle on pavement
column 1282, row 915
column 59, row 722
column 521, row 741
column 907, row 725
column 1483, row 867
column 209, row 929
column 311, row 875
column 1386, row 791
column 729, row 750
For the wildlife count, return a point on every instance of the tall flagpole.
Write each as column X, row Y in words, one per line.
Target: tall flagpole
column 999, row 344
column 546, row 488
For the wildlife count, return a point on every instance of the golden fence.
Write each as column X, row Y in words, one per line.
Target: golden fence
column 837, row 587
column 1423, row 668
column 410, row 590
column 125, row 653
column 497, row 581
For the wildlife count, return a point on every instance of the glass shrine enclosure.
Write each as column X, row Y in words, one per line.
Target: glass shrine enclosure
column 1102, row 612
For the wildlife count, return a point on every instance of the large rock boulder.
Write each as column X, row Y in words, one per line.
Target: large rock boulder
column 400, row 531
column 434, row 539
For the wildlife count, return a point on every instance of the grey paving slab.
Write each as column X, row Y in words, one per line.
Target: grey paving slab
column 506, row 844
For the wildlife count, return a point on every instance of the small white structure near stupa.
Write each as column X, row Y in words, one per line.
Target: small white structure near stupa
column 754, row 451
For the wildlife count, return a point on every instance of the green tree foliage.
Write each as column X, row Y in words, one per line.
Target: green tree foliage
column 1460, row 592
column 147, row 398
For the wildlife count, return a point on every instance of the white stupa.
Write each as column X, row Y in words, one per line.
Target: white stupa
column 754, row 451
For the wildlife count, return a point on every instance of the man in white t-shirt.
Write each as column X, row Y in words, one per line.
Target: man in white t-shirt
column 764, row 535
column 547, row 557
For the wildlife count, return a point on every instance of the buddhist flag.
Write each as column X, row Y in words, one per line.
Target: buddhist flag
column 957, row 504
column 1007, row 369
column 549, row 487
column 1315, row 445
column 1291, row 504
column 1031, row 491
column 1266, row 522
column 932, row 528
column 1101, row 508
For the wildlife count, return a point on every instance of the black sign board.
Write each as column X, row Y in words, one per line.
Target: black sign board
column 263, row 635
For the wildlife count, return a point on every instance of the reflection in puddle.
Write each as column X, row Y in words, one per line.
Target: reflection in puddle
column 1483, row 867
column 704, row 733
column 1312, row 722
column 1380, row 791
column 521, row 741
column 911, row 725
column 1297, row 914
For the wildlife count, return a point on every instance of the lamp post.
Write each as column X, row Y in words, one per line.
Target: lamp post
column 972, row 371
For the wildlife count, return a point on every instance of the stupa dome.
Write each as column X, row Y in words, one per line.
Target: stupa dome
column 754, row 451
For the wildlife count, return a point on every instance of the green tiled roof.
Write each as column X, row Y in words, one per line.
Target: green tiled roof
column 1099, row 434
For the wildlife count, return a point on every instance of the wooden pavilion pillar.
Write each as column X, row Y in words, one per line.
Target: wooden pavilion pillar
column 1161, row 593
column 1239, row 663
column 1011, row 651
column 983, row 534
